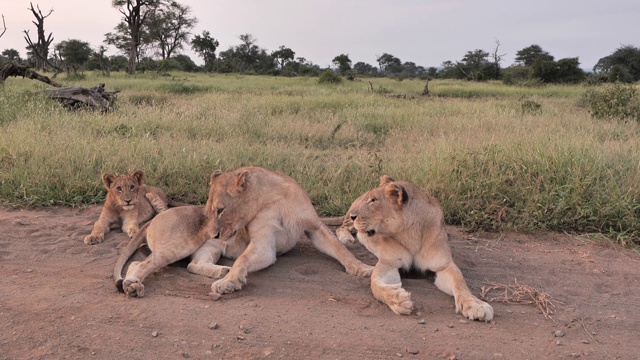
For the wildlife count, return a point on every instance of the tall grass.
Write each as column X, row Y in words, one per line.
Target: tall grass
column 492, row 165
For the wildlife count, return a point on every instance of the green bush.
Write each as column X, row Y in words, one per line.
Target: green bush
column 530, row 107
column 616, row 101
column 329, row 77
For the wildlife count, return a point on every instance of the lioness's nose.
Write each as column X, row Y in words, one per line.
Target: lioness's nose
column 353, row 217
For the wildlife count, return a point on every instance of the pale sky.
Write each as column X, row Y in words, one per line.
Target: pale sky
column 422, row 31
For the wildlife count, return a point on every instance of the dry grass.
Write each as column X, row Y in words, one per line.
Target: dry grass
column 519, row 294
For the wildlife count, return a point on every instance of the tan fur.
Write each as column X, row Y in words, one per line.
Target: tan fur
column 276, row 212
column 173, row 235
column 129, row 203
column 404, row 228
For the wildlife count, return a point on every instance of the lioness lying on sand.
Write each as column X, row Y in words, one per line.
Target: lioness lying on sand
column 404, row 228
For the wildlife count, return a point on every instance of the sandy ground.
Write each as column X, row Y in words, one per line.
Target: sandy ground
column 58, row 301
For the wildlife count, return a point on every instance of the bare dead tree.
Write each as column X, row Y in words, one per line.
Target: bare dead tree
column 40, row 48
column 497, row 58
column 4, row 27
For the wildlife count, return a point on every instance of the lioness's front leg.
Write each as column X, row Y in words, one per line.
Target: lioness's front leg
column 203, row 261
column 387, row 287
column 325, row 241
column 451, row 281
column 259, row 254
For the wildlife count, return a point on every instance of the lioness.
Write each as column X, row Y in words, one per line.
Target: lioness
column 129, row 203
column 173, row 235
column 276, row 212
column 404, row 228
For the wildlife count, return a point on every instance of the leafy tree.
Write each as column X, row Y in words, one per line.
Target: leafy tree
column 530, row 54
column 11, row 54
column 343, row 63
column 99, row 61
column 565, row 70
column 389, row 64
column 283, row 55
column 134, row 14
column 206, row 47
column 365, row 69
column 623, row 64
column 118, row 62
column 169, row 25
column 74, row 53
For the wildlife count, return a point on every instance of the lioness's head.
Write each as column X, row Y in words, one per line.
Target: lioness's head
column 123, row 189
column 229, row 203
column 380, row 210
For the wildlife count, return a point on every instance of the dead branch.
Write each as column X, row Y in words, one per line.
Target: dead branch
column 15, row 69
column 426, row 92
column 4, row 27
column 520, row 294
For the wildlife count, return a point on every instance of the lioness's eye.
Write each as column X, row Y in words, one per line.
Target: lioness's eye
column 119, row 189
column 132, row 187
column 220, row 211
column 372, row 200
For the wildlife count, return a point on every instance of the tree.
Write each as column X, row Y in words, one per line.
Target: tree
column 169, row 26
column 134, row 13
column 343, row 63
column 74, row 53
column 365, row 69
column 283, row 55
column 39, row 49
column 565, row 70
column 389, row 64
column 623, row 64
column 11, row 54
column 99, row 61
column 530, row 54
column 206, row 47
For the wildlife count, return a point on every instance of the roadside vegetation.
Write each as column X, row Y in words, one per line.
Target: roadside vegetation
column 498, row 157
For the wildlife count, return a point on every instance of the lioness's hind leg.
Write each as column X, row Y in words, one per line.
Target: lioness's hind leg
column 451, row 281
column 203, row 262
column 139, row 270
column 387, row 287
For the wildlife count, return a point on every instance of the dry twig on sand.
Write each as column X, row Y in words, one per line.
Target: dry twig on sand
column 519, row 294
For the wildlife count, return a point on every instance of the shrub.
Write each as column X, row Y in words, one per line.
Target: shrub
column 530, row 107
column 617, row 101
column 329, row 77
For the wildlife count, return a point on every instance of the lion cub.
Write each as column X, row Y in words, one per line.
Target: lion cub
column 404, row 228
column 129, row 203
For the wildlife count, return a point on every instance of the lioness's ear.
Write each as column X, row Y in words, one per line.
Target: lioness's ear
column 138, row 175
column 108, row 179
column 396, row 194
column 214, row 175
column 241, row 180
column 384, row 179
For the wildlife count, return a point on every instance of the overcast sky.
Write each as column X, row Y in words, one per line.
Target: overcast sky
column 426, row 32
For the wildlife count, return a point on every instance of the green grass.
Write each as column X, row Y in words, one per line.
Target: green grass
column 492, row 165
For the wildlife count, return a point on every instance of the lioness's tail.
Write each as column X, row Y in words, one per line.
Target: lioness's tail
column 126, row 253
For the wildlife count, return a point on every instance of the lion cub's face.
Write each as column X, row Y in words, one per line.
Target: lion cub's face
column 123, row 189
column 379, row 211
column 229, row 204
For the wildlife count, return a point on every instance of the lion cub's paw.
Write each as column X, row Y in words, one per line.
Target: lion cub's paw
column 93, row 239
column 133, row 288
column 360, row 269
column 132, row 231
column 475, row 309
column 400, row 302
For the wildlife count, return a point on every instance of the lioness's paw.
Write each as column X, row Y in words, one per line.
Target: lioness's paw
column 474, row 309
column 345, row 236
column 93, row 239
column 221, row 272
column 360, row 269
column 224, row 286
column 400, row 302
column 133, row 288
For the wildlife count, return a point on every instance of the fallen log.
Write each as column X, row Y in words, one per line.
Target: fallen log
column 15, row 69
column 74, row 97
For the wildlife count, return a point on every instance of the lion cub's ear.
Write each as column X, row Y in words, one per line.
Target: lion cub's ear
column 242, row 180
column 138, row 175
column 108, row 179
column 214, row 175
column 385, row 179
column 396, row 194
